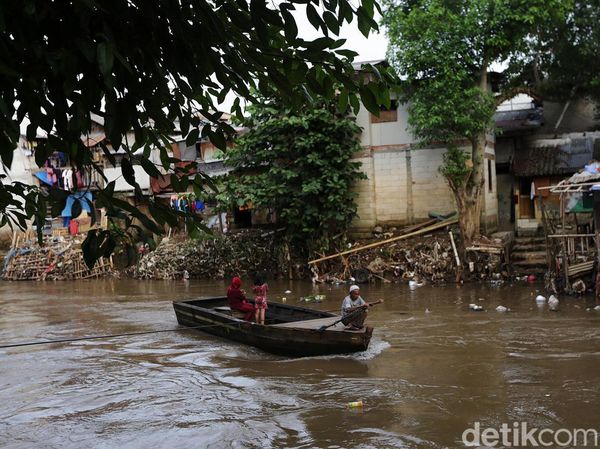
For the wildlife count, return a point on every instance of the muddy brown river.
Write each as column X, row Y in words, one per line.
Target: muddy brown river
column 426, row 378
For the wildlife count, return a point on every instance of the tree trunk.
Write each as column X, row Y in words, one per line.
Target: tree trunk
column 468, row 196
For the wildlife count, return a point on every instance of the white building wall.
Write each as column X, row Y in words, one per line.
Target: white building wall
column 387, row 133
column 390, row 192
column 404, row 181
column 430, row 189
column 115, row 174
column 365, row 195
column 23, row 166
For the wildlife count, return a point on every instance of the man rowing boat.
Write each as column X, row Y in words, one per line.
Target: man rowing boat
column 354, row 309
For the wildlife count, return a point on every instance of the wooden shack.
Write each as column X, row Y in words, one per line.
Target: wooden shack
column 572, row 234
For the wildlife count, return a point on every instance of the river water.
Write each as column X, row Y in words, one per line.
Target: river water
column 426, row 377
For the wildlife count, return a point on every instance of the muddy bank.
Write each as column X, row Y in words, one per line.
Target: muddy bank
column 427, row 258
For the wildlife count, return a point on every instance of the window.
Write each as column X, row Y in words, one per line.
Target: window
column 490, row 183
column 387, row 115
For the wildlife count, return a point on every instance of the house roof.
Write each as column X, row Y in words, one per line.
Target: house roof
column 586, row 179
column 545, row 157
column 520, row 119
column 357, row 65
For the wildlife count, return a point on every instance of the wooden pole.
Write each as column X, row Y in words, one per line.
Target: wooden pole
column 564, row 244
column 394, row 239
column 454, row 249
column 458, row 266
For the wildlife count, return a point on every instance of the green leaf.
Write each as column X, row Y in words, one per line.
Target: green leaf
column 105, row 57
column 150, row 168
column 347, row 53
column 290, row 27
column 331, row 21
column 128, row 172
column 76, row 209
column 313, row 16
column 218, row 139
column 343, row 100
column 90, row 249
column 365, row 21
column 369, row 100
column 192, row 137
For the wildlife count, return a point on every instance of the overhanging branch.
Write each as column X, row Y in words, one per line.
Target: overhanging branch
column 514, row 91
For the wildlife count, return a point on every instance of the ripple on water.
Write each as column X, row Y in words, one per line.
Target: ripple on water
column 424, row 378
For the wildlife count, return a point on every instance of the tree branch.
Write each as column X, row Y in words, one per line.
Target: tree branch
column 514, row 91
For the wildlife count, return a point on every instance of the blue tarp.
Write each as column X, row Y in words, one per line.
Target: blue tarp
column 43, row 176
column 81, row 197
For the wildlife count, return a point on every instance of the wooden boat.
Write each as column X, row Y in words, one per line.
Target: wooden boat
column 288, row 330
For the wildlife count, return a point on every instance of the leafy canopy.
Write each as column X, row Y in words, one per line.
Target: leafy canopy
column 156, row 68
column 298, row 164
column 444, row 48
column 569, row 64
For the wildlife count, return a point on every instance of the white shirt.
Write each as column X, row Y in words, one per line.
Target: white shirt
column 349, row 303
column 67, row 176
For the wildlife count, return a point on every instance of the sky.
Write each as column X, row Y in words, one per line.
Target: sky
column 368, row 49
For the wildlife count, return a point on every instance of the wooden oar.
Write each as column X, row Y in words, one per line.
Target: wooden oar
column 350, row 315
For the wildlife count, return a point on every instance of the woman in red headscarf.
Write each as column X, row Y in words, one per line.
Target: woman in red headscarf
column 237, row 299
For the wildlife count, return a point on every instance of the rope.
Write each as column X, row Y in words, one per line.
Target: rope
column 98, row 337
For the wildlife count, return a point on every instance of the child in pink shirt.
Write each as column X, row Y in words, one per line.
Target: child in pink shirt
column 260, row 301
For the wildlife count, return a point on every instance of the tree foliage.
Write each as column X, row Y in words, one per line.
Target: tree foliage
column 298, row 165
column 568, row 65
column 157, row 68
column 443, row 50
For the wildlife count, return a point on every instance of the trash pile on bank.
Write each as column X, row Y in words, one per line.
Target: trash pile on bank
column 240, row 253
column 426, row 258
column 59, row 258
column 429, row 257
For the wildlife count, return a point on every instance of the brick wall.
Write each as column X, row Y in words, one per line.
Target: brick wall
column 404, row 185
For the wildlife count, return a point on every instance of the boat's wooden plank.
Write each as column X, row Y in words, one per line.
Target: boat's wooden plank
column 314, row 324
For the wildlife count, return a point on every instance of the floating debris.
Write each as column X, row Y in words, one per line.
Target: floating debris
column 355, row 404
column 553, row 303
column 313, row 298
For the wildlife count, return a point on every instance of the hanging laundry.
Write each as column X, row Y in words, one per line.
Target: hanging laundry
column 79, row 178
column 43, row 176
column 74, row 227
column 186, row 202
column 67, row 176
column 59, row 178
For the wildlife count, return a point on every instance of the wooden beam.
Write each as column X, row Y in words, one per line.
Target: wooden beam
column 559, row 236
column 440, row 225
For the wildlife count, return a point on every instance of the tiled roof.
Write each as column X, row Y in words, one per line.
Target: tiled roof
column 553, row 156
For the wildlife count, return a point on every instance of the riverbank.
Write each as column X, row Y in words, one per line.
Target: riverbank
column 424, row 258
column 241, row 253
